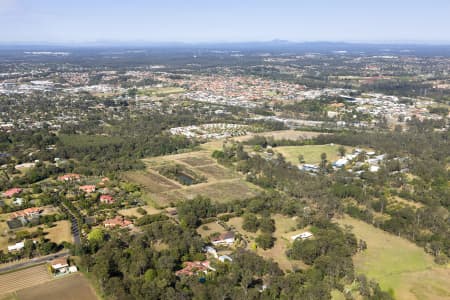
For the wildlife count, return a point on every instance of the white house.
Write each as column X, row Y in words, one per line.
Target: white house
column 226, row 239
column 341, row 162
column 18, row 246
column 304, row 235
column 211, row 250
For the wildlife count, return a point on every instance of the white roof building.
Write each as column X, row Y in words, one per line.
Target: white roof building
column 304, row 235
column 18, row 246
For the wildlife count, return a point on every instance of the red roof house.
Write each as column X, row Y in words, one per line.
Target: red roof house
column 194, row 267
column 11, row 192
column 69, row 177
column 88, row 188
column 28, row 212
column 117, row 221
column 107, row 199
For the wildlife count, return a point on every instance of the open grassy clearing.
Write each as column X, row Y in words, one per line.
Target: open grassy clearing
column 71, row 287
column 404, row 202
column 398, row 264
column 202, row 160
column 221, row 184
column 281, row 134
column 150, row 181
column 220, row 191
column 3, row 232
column 59, row 233
column 217, row 172
column 206, row 230
column 128, row 212
column 285, row 227
column 14, row 281
column 162, row 91
column 311, row 153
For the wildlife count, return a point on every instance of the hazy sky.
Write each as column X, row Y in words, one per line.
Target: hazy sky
column 225, row 20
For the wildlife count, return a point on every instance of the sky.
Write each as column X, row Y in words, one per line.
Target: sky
column 79, row 21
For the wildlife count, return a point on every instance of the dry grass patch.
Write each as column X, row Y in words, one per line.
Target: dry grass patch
column 197, row 160
column 407, row 202
column 129, row 212
column 217, row 172
column 206, row 230
column 3, row 233
column 59, row 233
column 282, row 134
column 221, row 191
column 283, row 231
column 151, row 182
column 71, row 287
column 14, row 281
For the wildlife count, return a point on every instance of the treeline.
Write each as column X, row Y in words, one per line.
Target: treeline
column 143, row 265
column 424, row 153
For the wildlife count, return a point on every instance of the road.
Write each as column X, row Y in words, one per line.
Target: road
column 33, row 261
column 75, row 229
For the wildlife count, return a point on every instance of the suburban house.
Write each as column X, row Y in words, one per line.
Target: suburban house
column 27, row 213
column 87, row 188
column 195, row 267
column 304, row 235
column 309, row 168
column 340, row 163
column 18, row 246
column 107, row 199
column 69, row 177
column 18, row 201
column 11, row 192
column 210, row 250
column 226, row 238
column 103, row 181
column 118, row 221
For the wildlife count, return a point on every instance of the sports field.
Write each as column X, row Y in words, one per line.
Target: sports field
column 311, row 153
column 398, row 264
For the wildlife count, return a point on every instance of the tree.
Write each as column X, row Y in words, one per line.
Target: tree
column 301, row 159
column 342, row 151
column 265, row 241
column 267, row 225
column 323, row 161
column 250, row 223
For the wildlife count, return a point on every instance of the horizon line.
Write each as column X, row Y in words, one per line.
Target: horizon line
column 219, row 42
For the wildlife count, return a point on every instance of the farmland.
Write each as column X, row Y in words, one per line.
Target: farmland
column 14, row 281
column 221, row 183
column 398, row 265
column 72, row 287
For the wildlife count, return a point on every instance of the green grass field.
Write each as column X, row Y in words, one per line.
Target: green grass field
column 311, row 153
column 163, row 91
column 398, row 265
